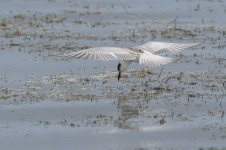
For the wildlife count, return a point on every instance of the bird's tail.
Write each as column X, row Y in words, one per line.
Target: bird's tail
column 150, row 60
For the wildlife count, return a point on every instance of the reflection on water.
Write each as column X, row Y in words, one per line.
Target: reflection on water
column 127, row 112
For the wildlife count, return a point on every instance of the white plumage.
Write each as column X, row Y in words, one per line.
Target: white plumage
column 145, row 54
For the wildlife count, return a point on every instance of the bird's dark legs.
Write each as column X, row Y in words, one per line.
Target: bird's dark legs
column 119, row 71
column 119, row 75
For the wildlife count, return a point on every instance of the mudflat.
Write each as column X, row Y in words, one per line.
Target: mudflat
column 51, row 102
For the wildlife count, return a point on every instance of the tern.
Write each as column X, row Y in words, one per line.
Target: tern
column 148, row 54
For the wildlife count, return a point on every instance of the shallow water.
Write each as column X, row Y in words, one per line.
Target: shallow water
column 24, row 64
column 50, row 102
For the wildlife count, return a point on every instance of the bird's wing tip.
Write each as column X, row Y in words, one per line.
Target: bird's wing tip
column 198, row 43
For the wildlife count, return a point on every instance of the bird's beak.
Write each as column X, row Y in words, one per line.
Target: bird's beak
column 119, row 75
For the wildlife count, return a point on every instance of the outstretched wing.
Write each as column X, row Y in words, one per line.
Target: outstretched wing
column 162, row 47
column 150, row 60
column 104, row 53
